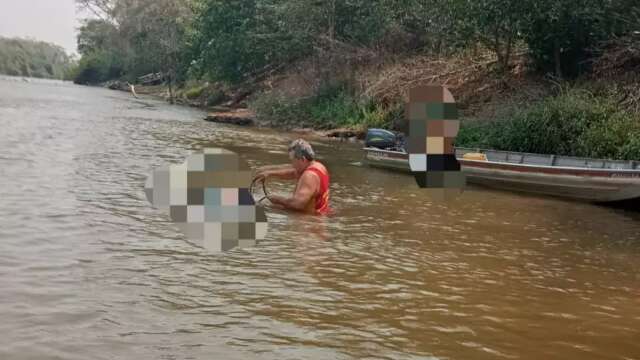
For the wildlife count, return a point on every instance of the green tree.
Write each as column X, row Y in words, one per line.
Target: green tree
column 95, row 35
column 132, row 38
column 494, row 23
column 561, row 34
column 153, row 31
column 230, row 40
column 24, row 57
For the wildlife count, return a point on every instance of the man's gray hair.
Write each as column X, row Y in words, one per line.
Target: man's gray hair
column 302, row 150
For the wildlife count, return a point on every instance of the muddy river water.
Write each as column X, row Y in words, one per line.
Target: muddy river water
column 89, row 270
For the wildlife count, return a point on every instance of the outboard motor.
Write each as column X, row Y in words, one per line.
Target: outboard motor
column 385, row 140
column 381, row 139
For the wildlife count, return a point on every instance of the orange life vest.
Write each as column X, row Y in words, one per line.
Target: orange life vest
column 322, row 196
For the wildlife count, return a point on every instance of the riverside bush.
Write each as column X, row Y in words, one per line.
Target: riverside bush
column 98, row 67
column 575, row 123
column 331, row 106
column 195, row 92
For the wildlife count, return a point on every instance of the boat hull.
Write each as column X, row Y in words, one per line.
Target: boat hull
column 579, row 183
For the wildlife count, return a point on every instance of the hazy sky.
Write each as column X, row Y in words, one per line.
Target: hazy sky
column 48, row 20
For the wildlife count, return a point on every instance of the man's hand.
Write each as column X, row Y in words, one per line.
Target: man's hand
column 261, row 175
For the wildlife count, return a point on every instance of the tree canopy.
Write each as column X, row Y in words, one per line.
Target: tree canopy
column 130, row 38
column 31, row 58
column 233, row 40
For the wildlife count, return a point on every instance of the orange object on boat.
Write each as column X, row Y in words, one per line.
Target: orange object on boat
column 475, row 156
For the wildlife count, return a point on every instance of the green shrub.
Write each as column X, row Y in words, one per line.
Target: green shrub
column 631, row 148
column 374, row 117
column 98, row 67
column 554, row 125
column 331, row 107
column 474, row 134
column 615, row 137
column 195, row 92
column 575, row 123
column 279, row 110
column 215, row 97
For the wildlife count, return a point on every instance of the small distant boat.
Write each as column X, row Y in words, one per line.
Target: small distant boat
column 152, row 79
column 585, row 179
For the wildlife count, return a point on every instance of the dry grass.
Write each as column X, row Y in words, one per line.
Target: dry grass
column 480, row 89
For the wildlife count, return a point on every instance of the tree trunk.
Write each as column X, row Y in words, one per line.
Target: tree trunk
column 557, row 58
column 171, row 100
column 332, row 22
column 507, row 53
column 500, row 56
column 497, row 48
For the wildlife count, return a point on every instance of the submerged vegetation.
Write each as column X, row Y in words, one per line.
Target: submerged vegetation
column 31, row 58
column 349, row 63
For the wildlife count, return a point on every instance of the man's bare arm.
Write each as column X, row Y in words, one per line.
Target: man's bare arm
column 308, row 184
column 285, row 171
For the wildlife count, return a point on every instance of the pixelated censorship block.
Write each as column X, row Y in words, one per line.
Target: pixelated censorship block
column 451, row 128
column 427, row 94
column 195, row 162
column 223, row 162
column 442, row 162
column 219, row 179
column 435, row 128
column 230, row 197
column 421, row 178
column 417, row 128
column 435, row 111
column 435, row 145
column 450, row 111
column 178, row 213
column 433, row 138
column 208, row 198
column 416, row 145
column 454, row 179
column 417, row 111
column 195, row 213
column 435, row 179
column 448, row 145
column 418, row 162
column 195, row 196
column 442, row 111
column 440, row 179
column 447, row 97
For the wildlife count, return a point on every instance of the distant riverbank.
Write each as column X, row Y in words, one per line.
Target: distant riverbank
column 35, row 59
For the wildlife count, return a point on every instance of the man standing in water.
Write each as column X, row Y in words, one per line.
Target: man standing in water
column 312, row 190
